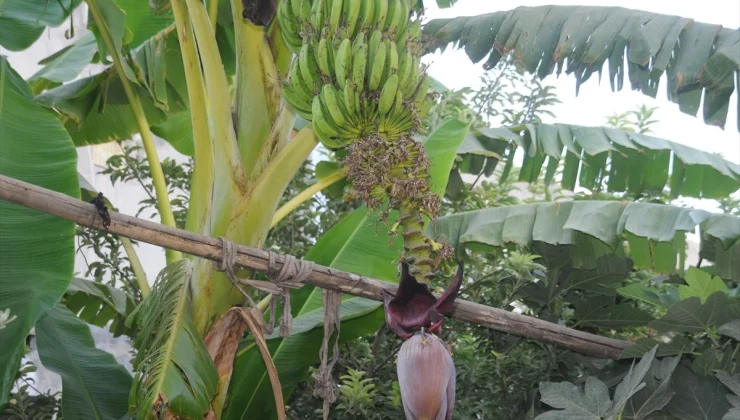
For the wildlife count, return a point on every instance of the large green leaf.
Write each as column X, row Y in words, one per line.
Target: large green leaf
column 36, row 249
column 23, row 21
column 657, row 392
column 698, row 58
column 359, row 244
column 94, row 385
column 697, row 397
column 593, row 402
column 96, row 108
column 67, row 63
column 172, row 365
column 583, row 230
column 692, row 316
column 622, row 160
column 98, row 304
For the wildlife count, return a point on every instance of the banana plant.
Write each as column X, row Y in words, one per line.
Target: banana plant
column 225, row 81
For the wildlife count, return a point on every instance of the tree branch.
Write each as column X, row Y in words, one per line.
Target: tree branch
column 84, row 214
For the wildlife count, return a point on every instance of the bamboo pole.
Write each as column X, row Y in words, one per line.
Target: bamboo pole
column 84, row 214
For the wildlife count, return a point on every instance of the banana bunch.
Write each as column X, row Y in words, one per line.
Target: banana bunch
column 357, row 70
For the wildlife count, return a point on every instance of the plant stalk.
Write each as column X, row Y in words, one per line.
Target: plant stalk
column 136, row 266
column 160, row 185
column 304, row 196
column 203, row 171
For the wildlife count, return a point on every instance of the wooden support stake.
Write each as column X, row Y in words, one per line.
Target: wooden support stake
column 84, row 214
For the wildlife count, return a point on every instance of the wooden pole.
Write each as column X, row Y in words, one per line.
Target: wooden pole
column 85, row 214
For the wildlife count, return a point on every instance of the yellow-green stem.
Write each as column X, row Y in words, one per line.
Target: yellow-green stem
column 202, row 181
column 416, row 245
column 136, row 267
column 213, row 13
column 304, row 196
column 160, row 186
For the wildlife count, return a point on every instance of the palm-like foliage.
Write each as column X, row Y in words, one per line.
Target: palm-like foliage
column 173, row 366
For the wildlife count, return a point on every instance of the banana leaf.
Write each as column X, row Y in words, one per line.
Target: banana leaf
column 698, row 59
column 36, row 249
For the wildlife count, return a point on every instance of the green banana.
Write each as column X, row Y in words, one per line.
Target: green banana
column 404, row 67
column 318, row 11
column 343, row 62
column 393, row 17
column 359, row 64
column 367, row 12
column 295, row 7
column 352, row 15
column 421, row 90
column 375, row 39
column 388, row 94
column 392, row 57
column 308, row 67
column 289, row 27
column 404, row 17
column 332, row 104
column 378, row 67
column 304, row 16
column 322, row 57
column 296, row 80
column 335, row 15
column 296, row 102
column 349, row 100
column 320, row 120
column 381, row 12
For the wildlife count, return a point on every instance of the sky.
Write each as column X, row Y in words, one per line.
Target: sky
column 596, row 101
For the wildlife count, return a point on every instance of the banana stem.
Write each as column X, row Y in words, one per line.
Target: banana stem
column 304, row 196
column 160, row 185
column 136, row 266
column 203, row 174
column 417, row 246
column 213, row 13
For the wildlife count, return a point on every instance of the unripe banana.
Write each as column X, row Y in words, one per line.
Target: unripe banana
column 352, row 15
column 359, row 64
column 332, row 104
column 372, row 44
column 388, row 94
column 343, row 62
column 421, row 90
column 349, row 100
column 318, row 15
column 411, row 34
column 335, row 15
column 392, row 57
column 404, row 67
column 367, row 14
column 381, row 12
column 289, row 27
column 322, row 121
column 295, row 7
column 296, row 80
column 322, row 57
column 394, row 16
column 300, row 105
column 378, row 67
column 304, row 16
column 309, row 68
column 404, row 18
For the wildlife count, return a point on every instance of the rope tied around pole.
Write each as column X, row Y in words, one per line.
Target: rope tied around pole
column 324, row 386
column 291, row 275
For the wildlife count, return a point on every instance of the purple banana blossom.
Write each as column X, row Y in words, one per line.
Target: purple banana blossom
column 426, row 375
column 414, row 307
